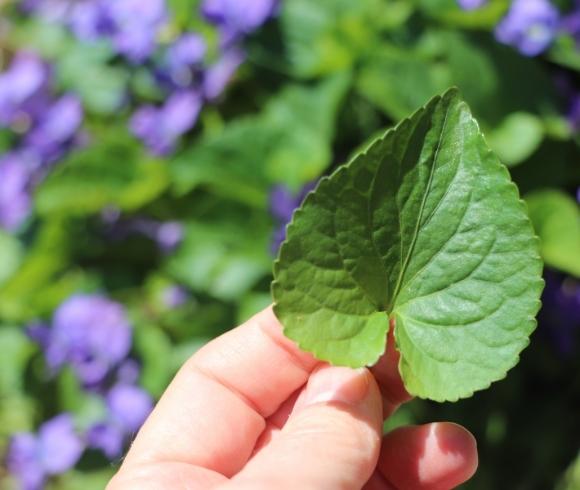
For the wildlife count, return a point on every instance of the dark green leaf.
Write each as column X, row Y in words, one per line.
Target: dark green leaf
column 222, row 259
column 518, row 137
column 154, row 348
column 10, row 255
column 326, row 36
column 41, row 280
column 556, row 219
column 112, row 172
column 425, row 230
column 288, row 142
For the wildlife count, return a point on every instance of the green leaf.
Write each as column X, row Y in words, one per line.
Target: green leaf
column 113, row 171
column 424, row 230
column 42, row 280
column 449, row 12
column 154, row 348
column 17, row 350
column 326, row 36
column 10, row 255
column 290, row 141
column 556, row 219
column 518, row 137
column 84, row 69
column 397, row 79
column 222, row 259
column 571, row 479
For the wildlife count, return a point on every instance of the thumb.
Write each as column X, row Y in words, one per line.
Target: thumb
column 331, row 440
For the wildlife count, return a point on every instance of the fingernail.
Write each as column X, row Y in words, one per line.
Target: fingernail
column 337, row 385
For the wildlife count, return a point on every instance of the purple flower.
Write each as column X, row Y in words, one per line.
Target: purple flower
column 471, row 4
column 130, row 25
column 48, row 10
column 283, row 202
column 169, row 235
column 128, row 406
column 238, row 17
column 23, row 89
column 92, row 334
column 530, row 26
column 89, row 20
column 218, row 75
column 573, row 114
column 128, row 372
column 160, row 127
column 559, row 317
column 15, row 202
column 278, row 237
column 571, row 24
column 34, row 457
column 181, row 57
column 108, row 438
column 174, row 296
column 135, row 24
column 56, row 128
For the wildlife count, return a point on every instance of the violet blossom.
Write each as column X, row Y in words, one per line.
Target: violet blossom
column 174, row 296
column 471, row 4
column 53, row 450
column 283, row 202
column 89, row 332
column 182, row 62
column 218, row 75
column 56, row 128
column 559, row 317
column 131, row 26
column 127, row 408
column 237, row 17
column 530, row 26
column 160, row 127
column 167, row 234
column 15, row 200
column 23, row 89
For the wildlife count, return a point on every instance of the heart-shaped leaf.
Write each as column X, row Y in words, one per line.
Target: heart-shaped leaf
column 424, row 229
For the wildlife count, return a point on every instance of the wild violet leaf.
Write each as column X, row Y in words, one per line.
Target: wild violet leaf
column 423, row 230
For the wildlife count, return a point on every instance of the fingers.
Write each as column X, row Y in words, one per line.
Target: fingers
column 213, row 412
column 386, row 372
column 436, row 456
column 177, row 476
column 331, row 439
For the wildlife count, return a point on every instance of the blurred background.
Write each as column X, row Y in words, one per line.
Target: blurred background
column 152, row 152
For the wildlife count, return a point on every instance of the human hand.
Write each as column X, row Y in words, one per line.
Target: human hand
column 252, row 411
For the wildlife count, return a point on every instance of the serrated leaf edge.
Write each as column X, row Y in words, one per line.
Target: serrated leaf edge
column 522, row 204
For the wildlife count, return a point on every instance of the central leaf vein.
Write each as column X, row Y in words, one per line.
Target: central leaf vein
column 421, row 210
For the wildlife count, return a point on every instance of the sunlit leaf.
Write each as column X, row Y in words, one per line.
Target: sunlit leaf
column 424, row 230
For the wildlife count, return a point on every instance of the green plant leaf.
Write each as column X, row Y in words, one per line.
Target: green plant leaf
column 424, row 230
column 11, row 253
column 292, row 137
column 114, row 172
column 518, row 136
column 222, row 258
column 556, row 219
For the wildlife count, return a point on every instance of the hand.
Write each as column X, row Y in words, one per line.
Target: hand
column 251, row 411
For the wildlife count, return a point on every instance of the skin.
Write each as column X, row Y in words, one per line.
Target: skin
column 252, row 411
